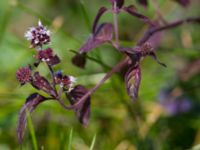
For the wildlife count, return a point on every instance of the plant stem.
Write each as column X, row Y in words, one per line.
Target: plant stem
column 126, row 60
column 174, row 24
column 32, row 131
column 115, row 69
column 52, row 75
column 115, row 22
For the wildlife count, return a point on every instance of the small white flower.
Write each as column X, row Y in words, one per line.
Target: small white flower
column 28, row 35
column 40, row 24
column 38, row 35
column 72, row 79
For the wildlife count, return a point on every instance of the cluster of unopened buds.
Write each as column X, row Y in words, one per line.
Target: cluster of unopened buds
column 77, row 95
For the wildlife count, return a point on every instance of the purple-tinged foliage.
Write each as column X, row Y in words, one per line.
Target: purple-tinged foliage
column 103, row 34
column 48, row 57
column 132, row 10
column 83, row 111
column 79, row 60
column 41, row 83
column 132, row 81
column 153, row 55
column 138, row 52
column 156, row 38
column 65, row 82
column 101, row 11
column 31, row 103
column 38, row 36
column 79, row 96
column 23, row 75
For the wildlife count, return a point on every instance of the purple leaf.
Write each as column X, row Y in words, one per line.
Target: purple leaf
column 83, row 112
column 132, row 10
column 156, row 38
column 79, row 60
column 31, row 103
column 103, row 34
column 41, row 83
column 153, row 55
column 101, row 11
column 143, row 2
column 132, row 81
column 184, row 3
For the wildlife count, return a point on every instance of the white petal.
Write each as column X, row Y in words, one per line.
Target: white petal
column 40, row 23
column 72, row 79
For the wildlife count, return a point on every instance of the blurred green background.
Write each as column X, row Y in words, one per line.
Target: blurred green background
column 116, row 122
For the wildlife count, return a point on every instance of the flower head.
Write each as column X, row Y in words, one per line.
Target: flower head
column 64, row 81
column 23, row 75
column 38, row 36
column 48, row 57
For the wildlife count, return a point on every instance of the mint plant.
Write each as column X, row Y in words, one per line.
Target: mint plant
column 59, row 84
column 108, row 32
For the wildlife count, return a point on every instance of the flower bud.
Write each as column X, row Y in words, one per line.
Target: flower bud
column 23, row 75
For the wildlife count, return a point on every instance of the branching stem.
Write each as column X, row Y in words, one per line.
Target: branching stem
column 125, row 61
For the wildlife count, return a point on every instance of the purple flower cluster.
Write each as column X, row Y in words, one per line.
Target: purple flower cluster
column 23, row 75
column 60, row 83
column 38, row 36
column 108, row 32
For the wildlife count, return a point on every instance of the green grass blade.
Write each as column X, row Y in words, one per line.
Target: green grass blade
column 70, row 139
column 32, row 131
column 93, row 142
column 5, row 22
column 85, row 15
